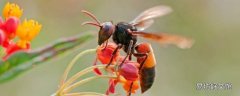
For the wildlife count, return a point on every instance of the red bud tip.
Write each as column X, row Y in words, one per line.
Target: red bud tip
column 11, row 26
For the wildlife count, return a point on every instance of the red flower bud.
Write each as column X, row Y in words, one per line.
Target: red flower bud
column 104, row 54
column 129, row 70
column 11, row 26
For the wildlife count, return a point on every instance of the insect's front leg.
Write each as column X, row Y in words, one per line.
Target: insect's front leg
column 113, row 54
column 106, row 43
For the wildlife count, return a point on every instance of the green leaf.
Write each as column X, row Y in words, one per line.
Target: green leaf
column 22, row 61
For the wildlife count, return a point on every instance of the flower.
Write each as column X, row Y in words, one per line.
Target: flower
column 104, row 54
column 112, row 85
column 11, row 27
column 130, row 72
column 12, row 9
column 126, row 74
column 27, row 31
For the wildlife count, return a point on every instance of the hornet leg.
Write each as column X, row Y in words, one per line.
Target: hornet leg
column 128, row 52
column 113, row 54
column 138, row 55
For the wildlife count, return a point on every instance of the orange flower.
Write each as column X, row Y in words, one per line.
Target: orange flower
column 26, row 31
column 127, row 85
column 11, row 27
column 126, row 74
column 12, row 10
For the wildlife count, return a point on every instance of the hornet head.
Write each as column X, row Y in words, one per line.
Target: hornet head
column 106, row 28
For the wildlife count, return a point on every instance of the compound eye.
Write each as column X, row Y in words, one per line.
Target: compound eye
column 105, row 32
column 106, row 28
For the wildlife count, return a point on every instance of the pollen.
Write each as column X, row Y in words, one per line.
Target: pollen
column 12, row 9
column 26, row 31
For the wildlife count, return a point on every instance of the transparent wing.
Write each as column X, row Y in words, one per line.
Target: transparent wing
column 143, row 25
column 145, row 19
column 181, row 42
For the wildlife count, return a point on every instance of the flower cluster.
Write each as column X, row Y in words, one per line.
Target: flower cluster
column 11, row 27
column 127, row 73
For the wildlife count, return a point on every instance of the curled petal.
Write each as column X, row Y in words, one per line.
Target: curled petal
column 104, row 54
column 112, row 85
column 128, row 84
column 96, row 70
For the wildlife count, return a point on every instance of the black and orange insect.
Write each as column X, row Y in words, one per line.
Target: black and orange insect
column 125, row 34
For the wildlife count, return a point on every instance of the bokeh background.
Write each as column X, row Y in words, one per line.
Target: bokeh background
column 214, row 58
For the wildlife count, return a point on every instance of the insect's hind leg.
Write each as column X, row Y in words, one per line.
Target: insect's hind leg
column 130, row 90
column 138, row 55
column 141, row 55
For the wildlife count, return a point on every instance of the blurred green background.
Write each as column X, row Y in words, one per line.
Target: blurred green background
column 214, row 58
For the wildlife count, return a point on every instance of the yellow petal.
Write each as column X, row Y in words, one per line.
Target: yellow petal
column 12, row 9
column 28, row 30
column 22, row 43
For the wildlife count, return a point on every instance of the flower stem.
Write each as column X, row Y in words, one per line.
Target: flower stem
column 63, row 88
column 70, row 65
column 85, row 81
column 79, row 74
column 85, row 94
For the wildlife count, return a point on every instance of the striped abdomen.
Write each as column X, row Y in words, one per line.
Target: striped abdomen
column 147, row 73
